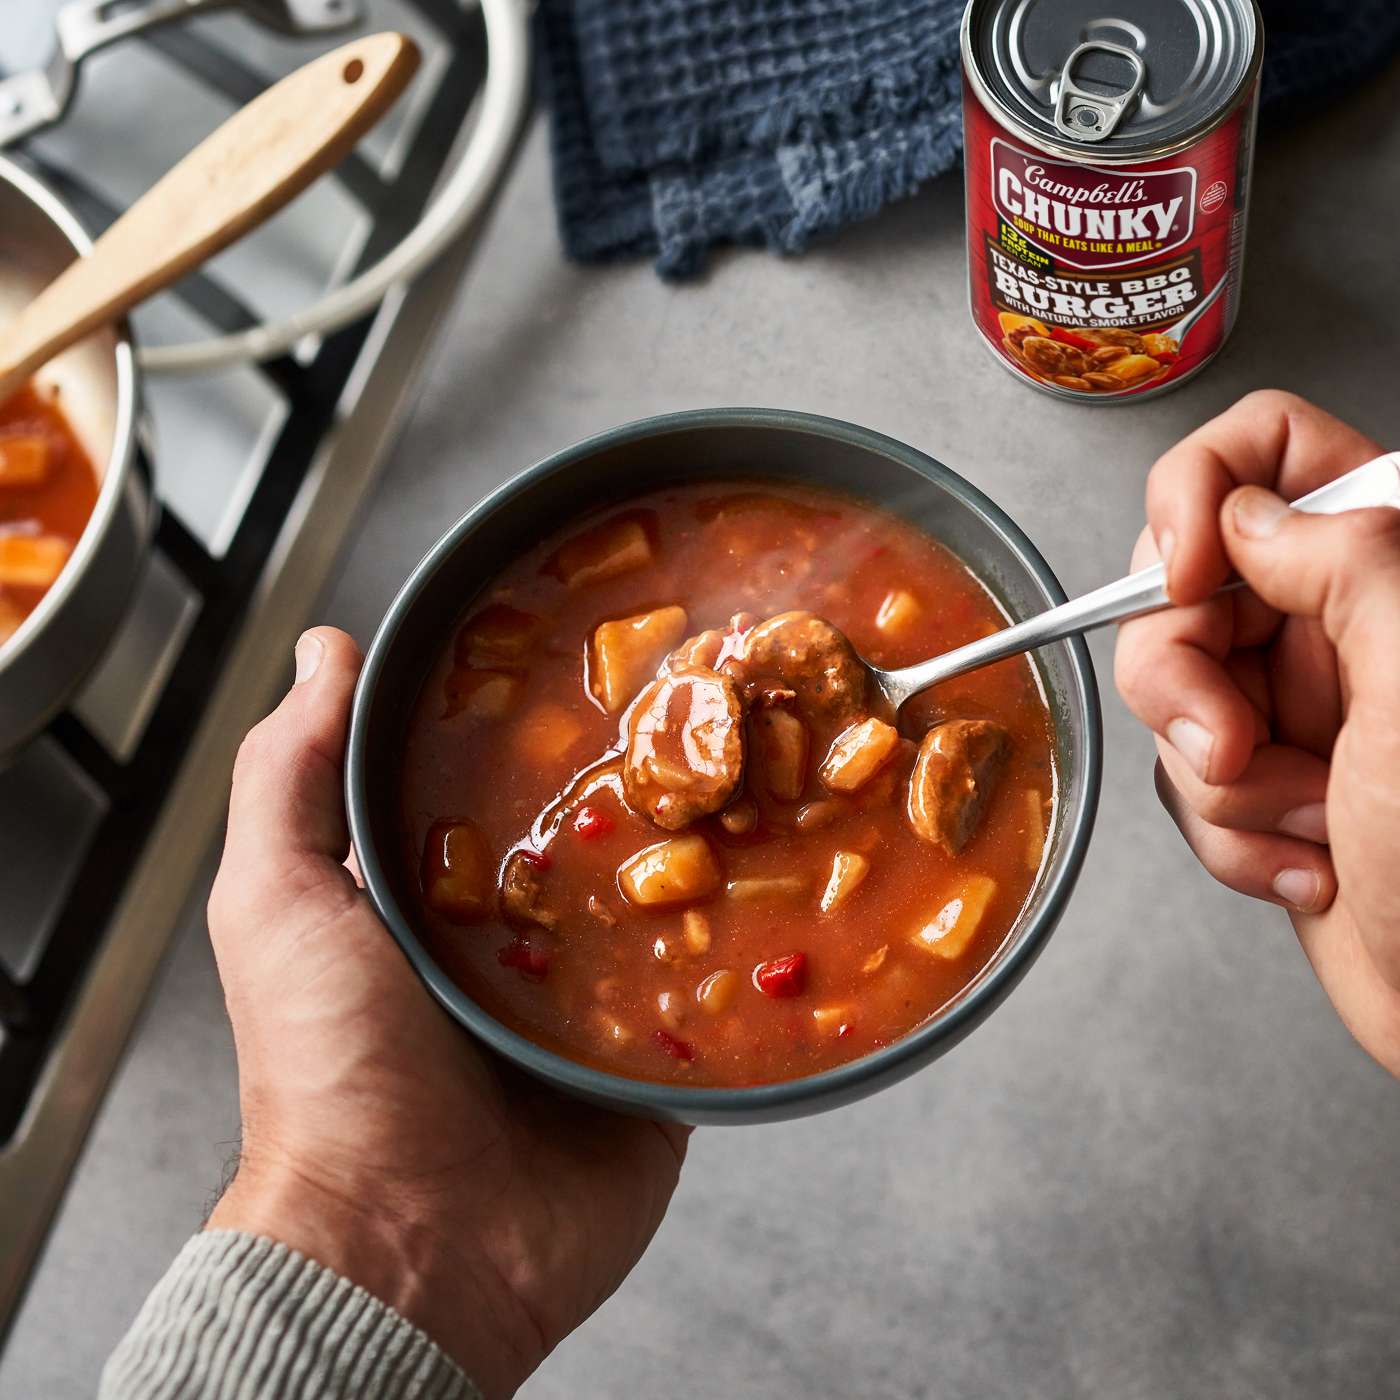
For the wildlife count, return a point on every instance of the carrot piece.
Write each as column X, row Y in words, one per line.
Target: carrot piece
column 24, row 461
column 32, row 561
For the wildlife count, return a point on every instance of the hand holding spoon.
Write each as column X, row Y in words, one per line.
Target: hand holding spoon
column 250, row 167
column 1375, row 484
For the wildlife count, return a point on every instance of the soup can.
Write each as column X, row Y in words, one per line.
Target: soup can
column 1107, row 159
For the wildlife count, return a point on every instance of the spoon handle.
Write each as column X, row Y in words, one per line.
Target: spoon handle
column 1375, row 484
column 252, row 165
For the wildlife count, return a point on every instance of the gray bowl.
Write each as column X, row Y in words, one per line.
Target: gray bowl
column 745, row 443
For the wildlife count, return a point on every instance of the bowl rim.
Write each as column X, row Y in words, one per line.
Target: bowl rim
column 759, row 1101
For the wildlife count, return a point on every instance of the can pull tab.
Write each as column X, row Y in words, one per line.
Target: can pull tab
column 1093, row 116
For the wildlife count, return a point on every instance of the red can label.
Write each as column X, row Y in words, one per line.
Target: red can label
column 1099, row 281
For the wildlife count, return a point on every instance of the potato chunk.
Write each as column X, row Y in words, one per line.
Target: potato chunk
column 32, row 561
column 857, row 753
column 625, row 653
column 1035, row 828
column 498, row 637
column 779, row 751
column 1132, row 368
column 670, row 872
column 606, row 551
column 897, row 613
column 546, row 733
column 24, row 461
column 695, row 929
column 952, row 929
column 457, row 874
column 832, row 1020
column 848, row 870
column 480, row 694
column 749, row 889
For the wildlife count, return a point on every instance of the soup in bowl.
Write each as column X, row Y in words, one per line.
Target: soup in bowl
column 76, row 512
column 621, row 788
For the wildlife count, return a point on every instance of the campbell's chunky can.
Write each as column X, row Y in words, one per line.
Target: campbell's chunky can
column 1107, row 152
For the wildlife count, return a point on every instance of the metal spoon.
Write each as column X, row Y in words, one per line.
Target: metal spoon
column 1375, row 484
column 1182, row 328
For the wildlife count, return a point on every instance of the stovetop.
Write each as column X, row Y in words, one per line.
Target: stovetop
column 104, row 819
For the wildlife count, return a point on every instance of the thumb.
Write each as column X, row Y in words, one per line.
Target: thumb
column 1342, row 569
column 286, row 826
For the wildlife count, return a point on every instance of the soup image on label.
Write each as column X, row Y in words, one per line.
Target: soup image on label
column 660, row 822
column 47, row 492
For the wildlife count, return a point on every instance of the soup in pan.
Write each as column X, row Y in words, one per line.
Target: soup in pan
column 47, row 492
column 660, row 822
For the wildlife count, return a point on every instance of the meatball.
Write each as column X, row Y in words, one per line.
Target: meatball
column 959, row 764
column 1054, row 357
column 685, row 750
column 712, row 647
column 805, row 656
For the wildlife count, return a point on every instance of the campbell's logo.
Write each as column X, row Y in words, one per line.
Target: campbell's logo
column 1092, row 218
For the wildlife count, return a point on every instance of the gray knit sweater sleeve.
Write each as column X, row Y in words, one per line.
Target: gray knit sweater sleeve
column 239, row 1317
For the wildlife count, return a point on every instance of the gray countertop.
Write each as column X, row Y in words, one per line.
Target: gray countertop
column 1163, row 1168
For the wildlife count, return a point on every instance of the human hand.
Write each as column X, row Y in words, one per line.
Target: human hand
column 378, row 1138
column 1276, row 707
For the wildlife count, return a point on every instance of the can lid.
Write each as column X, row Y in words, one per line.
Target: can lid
column 1111, row 80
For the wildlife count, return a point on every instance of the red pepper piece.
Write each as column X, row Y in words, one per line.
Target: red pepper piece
column 1080, row 342
column 782, row 977
column 527, row 959
column 592, row 823
column 677, row 1049
column 539, row 859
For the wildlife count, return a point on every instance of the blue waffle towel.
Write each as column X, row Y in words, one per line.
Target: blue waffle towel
column 681, row 124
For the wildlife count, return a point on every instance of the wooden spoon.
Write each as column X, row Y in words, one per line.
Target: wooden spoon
column 256, row 162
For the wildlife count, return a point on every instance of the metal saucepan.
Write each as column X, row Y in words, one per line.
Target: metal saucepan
column 43, row 663
column 61, row 640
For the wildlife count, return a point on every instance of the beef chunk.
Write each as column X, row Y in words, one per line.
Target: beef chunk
column 959, row 764
column 522, row 891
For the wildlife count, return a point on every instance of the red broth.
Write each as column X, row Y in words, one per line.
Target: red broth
column 48, row 489
column 751, row 982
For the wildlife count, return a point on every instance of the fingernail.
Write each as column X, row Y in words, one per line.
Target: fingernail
column 1308, row 821
column 1194, row 742
column 1258, row 513
column 1166, row 543
column 1298, row 888
column 309, row 651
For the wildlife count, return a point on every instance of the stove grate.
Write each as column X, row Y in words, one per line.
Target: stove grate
column 130, row 788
